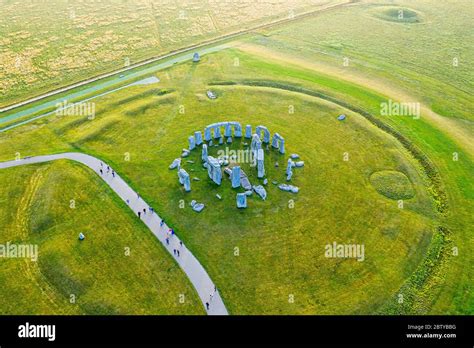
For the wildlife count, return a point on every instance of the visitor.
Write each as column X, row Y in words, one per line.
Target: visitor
column 162, row 222
column 101, row 172
column 177, row 252
column 113, row 174
column 167, row 241
column 144, row 211
column 151, row 209
column 139, row 214
column 207, row 305
column 181, row 243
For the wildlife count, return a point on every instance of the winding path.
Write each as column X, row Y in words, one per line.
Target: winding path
column 187, row 261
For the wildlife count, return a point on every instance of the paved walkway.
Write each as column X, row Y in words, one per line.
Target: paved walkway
column 188, row 263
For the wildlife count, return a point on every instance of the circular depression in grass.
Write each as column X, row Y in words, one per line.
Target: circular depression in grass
column 392, row 184
column 398, row 15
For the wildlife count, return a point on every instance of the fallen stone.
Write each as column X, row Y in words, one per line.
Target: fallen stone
column 265, row 182
column 193, row 202
column 218, row 196
column 198, row 207
column 176, row 163
column 196, row 179
column 188, row 161
column 288, row 188
column 260, row 190
column 248, row 193
column 299, row 164
column 294, row 156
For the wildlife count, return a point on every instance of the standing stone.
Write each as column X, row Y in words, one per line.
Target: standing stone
column 204, row 153
column 266, row 133
column 237, row 130
column 248, row 131
column 289, row 169
column 275, row 140
column 255, row 145
column 289, row 166
column 217, row 132
column 207, row 134
column 282, row 145
column 214, row 170
column 229, row 140
column 183, row 177
column 198, row 137
column 228, row 130
column 235, row 177
column 221, row 141
column 260, row 164
column 192, row 144
column 241, row 200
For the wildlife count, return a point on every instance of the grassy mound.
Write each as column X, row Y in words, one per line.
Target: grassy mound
column 392, row 184
column 399, row 15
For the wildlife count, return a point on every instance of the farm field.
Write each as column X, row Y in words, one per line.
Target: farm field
column 400, row 185
column 46, row 45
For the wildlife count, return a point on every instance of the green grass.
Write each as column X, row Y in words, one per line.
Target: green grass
column 281, row 249
column 417, row 58
column 408, row 251
column 35, row 209
column 398, row 15
column 394, row 185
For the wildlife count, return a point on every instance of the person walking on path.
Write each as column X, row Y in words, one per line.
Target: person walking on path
column 181, row 243
column 144, row 211
column 138, row 195
column 113, row 174
column 177, row 252
column 151, row 209
column 207, row 305
column 139, row 214
column 162, row 222
column 128, row 201
column 167, row 241
column 101, row 172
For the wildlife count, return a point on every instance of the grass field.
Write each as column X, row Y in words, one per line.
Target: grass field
column 270, row 257
column 45, row 45
column 270, row 234
column 119, row 269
